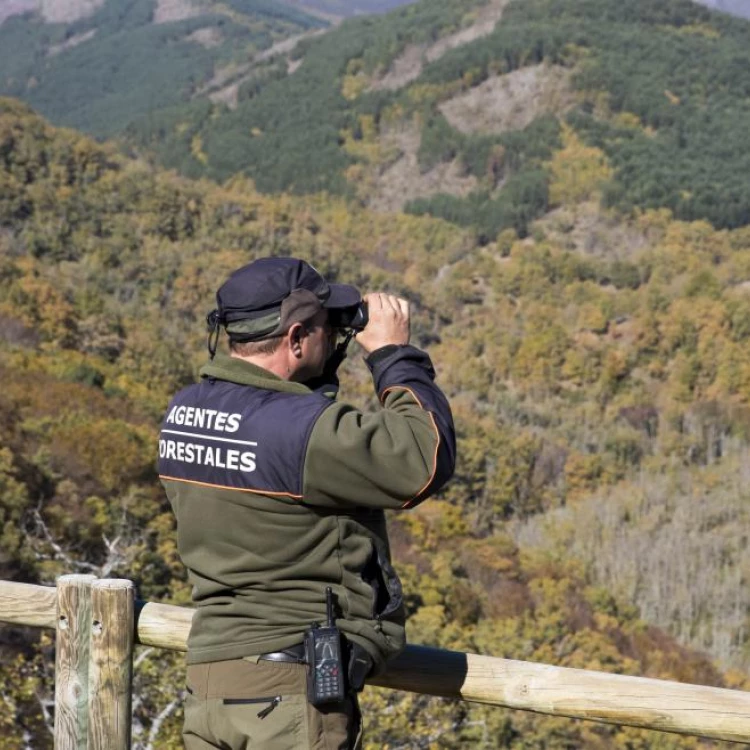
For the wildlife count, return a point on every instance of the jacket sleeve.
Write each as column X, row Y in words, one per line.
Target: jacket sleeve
column 394, row 458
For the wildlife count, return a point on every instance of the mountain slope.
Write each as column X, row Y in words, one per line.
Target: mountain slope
column 99, row 65
column 598, row 351
column 445, row 108
column 108, row 267
column 660, row 87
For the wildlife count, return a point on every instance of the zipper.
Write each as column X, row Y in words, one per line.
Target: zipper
column 272, row 703
column 270, row 707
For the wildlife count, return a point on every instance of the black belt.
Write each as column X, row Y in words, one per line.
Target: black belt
column 359, row 662
column 292, row 655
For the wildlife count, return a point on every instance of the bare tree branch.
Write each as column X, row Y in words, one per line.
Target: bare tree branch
column 164, row 714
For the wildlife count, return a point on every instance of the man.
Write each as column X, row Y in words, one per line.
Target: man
column 279, row 494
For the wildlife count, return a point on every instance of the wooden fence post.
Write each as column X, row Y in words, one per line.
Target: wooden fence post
column 111, row 664
column 73, row 634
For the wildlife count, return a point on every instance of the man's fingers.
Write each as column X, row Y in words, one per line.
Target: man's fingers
column 388, row 322
column 385, row 302
column 374, row 299
column 390, row 302
column 381, row 303
column 395, row 304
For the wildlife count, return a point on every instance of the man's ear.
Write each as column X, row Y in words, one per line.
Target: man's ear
column 296, row 334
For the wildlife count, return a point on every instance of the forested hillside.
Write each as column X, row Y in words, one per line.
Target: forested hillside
column 444, row 108
column 659, row 87
column 576, row 251
column 596, row 354
column 97, row 66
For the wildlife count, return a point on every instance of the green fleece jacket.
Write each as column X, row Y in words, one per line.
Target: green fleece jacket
column 279, row 492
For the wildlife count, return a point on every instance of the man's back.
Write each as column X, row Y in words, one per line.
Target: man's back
column 233, row 461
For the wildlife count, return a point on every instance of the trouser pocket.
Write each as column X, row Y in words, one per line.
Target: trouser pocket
column 268, row 703
column 272, row 723
column 238, row 704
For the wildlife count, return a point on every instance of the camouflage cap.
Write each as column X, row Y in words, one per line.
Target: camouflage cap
column 266, row 297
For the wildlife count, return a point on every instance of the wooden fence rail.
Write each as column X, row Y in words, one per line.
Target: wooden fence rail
column 98, row 621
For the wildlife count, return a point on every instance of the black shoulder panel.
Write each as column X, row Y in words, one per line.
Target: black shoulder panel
column 238, row 437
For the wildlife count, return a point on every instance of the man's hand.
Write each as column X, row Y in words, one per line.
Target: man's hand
column 388, row 322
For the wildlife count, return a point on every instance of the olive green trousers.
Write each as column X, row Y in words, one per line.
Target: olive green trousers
column 245, row 703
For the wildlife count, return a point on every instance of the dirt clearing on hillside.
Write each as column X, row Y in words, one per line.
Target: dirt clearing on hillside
column 174, row 10
column 17, row 7
column 225, row 85
column 589, row 229
column 67, row 11
column 408, row 65
column 71, row 42
column 511, row 101
column 404, row 181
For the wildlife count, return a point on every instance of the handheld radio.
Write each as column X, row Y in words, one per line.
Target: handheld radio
column 325, row 666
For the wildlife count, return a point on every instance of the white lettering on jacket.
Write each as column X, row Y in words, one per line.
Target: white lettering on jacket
column 208, row 419
column 207, row 455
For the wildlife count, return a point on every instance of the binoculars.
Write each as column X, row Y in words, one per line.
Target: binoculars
column 354, row 317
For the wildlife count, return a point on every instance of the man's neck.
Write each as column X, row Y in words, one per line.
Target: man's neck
column 267, row 362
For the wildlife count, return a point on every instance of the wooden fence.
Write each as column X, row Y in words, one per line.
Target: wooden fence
column 97, row 623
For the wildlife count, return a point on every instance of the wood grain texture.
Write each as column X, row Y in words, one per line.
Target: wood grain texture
column 163, row 625
column 28, row 604
column 576, row 693
column 111, row 664
column 72, row 640
column 597, row 696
